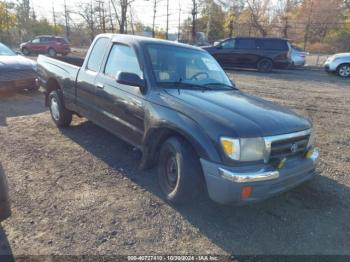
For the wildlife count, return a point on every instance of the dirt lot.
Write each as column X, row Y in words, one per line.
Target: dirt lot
column 78, row 190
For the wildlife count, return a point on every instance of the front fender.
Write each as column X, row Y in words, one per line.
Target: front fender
column 163, row 122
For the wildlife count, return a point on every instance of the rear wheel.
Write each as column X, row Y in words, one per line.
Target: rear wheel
column 25, row 51
column 344, row 70
column 60, row 115
column 265, row 66
column 52, row 52
column 179, row 171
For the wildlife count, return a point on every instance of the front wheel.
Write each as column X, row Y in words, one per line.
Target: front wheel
column 179, row 171
column 52, row 52
column 25, row 51
column 265, row 66
column 344, row 70
column 60, row 115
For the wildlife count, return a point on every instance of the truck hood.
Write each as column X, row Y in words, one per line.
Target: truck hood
column 13, row 63
column 242, row 114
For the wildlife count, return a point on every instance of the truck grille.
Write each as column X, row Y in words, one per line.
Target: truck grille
column 17, row 75
column 288, row 145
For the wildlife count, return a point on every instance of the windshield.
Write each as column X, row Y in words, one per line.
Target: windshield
column 186, row 67
column 4, row 50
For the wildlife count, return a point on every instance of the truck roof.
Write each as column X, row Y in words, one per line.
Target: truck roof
column 145, row 40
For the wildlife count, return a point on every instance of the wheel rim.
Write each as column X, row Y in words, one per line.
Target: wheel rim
column 171, row 171
column 344, row 71
column 52, row 52
column 265, row 66
column 55, row 109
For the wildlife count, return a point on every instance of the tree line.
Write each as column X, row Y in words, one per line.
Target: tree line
column 316, row 25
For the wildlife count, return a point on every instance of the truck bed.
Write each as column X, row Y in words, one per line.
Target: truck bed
column 63, row 70
column 73, row 60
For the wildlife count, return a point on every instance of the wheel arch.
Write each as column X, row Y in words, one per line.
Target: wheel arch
column 51, row 85
column 342, row 64
column 155, row 138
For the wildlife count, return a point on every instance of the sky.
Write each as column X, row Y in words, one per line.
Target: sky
column 143, row 10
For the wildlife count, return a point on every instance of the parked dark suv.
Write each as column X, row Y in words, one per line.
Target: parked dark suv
column 51, row 45
column 263, row 54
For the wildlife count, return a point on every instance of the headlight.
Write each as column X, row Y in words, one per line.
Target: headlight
column 244, row 149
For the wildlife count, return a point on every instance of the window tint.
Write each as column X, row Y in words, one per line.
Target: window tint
column 122, row 58
column 228, row 44
column 246, row 44
column 273, row 44
column 45, row 39
column 62, row 40
column 97, row 53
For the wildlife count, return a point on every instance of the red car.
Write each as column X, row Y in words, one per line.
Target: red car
column 51, row 45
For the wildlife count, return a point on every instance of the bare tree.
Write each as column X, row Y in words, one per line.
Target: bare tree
column 121, row 10
column 23, row 19
column 66, row 19
column 87, row 12
column 259, row 14
column 284, row 8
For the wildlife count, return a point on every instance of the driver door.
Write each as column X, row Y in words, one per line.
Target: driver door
column 121, row 107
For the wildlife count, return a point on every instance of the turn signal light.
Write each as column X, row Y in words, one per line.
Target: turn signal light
column 246, row 192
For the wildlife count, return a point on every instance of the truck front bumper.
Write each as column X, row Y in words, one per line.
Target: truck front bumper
column 228, row 185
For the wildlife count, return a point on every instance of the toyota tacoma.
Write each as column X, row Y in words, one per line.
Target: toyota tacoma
column 175, row 103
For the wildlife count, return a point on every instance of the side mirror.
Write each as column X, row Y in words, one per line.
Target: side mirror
column 131, row 79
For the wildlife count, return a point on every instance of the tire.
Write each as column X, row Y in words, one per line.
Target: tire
column 265, row 66
column 60, row 115
column 179, row 171
column 344, row 70
column 25, row 51
column 52, row 52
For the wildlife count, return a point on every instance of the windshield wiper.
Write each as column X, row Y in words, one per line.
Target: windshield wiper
column 221, row 84
column 179, row 84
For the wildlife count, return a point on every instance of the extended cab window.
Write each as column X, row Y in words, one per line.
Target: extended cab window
column 97, row 53
column 122, row 58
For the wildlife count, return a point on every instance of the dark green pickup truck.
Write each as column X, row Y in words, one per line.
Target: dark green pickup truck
column 176, row 104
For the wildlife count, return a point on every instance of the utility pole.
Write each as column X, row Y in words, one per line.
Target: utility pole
column 194, row 17
column 66, row 18
column 167, row 20
column 101, row 14
column 54, row 19
column 154, row 18
column 209, row 8
column 110, row 16
column 131, row 21
column 179, row 26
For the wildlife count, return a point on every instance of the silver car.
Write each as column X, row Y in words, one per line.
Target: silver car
column 298, row 57
column 339, row 63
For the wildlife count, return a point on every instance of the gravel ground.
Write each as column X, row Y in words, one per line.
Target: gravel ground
column 78, row 191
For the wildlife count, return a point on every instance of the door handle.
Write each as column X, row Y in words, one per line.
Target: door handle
column 100, row 86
